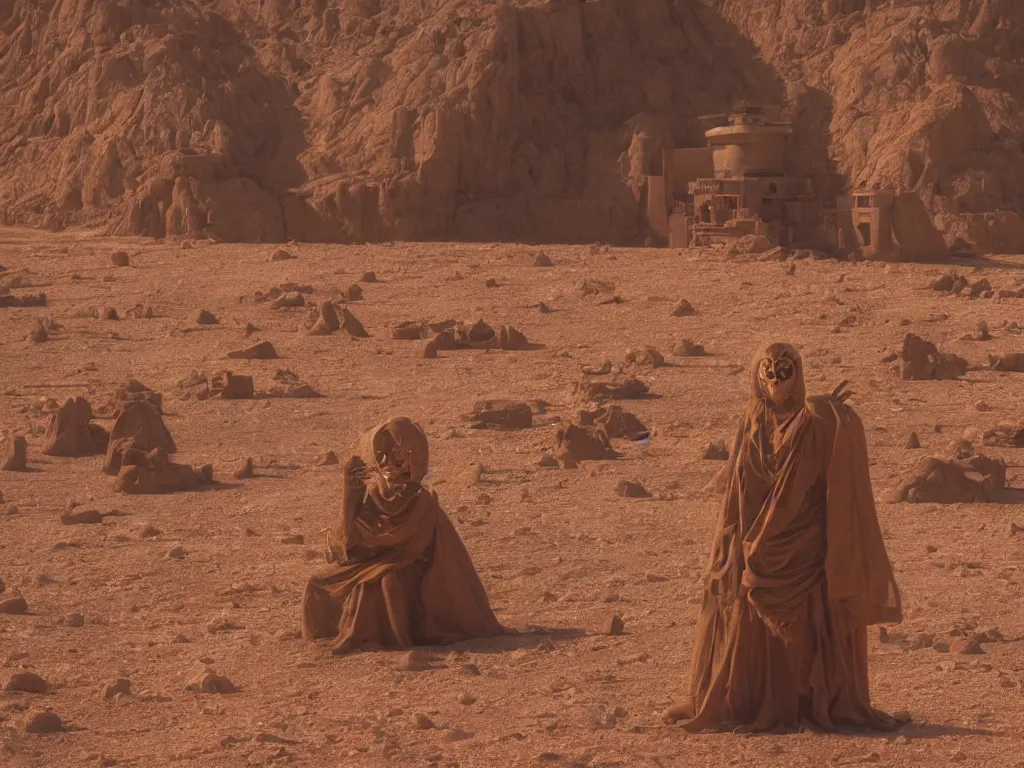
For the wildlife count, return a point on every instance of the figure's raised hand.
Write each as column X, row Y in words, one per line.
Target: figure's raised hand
column 841, row 393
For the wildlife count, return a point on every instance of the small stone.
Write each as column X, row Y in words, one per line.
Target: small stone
column 326, row 459
column 176, row 553
column 683, row 308
column 281, row 255
column 354, row 292
column 369, row 277
column 716, row 451
column 966, row 647
column 27, row 682
column 1013, row 529
column 630, row 489
column 982, row 406
column 615, row 625
column 293, row 539
column 548, row 460
column 456, row 734
column 491, row 283
column 921, row 641
column 913, row 442
column 543, row 308
column 655, row 578
column 542, row 260
column 429, row 350
column 43, row 721
column 688, row 348
column 108, row 313
column 76, row 620
column 941, row 647
column 149, row 531
column 423, row 722
column 15, row 455
column 120, row 259
column 82, row 517
column 244, row 470
column 205, row 317
column 122, row 686
column 466, row 699
column 14, row 606
column 208, row 681
column 931, row 549
column 413, row 661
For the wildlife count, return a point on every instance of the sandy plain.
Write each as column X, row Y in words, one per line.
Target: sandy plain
column 558, row 550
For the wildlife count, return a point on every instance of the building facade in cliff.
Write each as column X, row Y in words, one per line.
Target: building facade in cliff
column 735, row 186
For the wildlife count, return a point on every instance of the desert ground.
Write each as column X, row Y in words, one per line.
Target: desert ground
column 558, row 550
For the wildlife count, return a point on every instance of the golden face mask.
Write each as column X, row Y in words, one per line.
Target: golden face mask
column 777, row 377
column 393, row 461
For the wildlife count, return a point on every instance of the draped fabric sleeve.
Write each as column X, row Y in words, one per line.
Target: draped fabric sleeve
column 860, row 577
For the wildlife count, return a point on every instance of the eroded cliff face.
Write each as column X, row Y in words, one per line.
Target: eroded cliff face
column 922, row 96
column 263, row 120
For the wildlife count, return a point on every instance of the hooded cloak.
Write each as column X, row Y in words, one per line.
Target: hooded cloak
column 782, row 632
column 404, row 577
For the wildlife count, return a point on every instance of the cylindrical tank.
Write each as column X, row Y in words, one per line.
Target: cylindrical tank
column 748, row 149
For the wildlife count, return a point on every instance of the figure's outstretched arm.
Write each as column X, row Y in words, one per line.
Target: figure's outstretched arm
column 353, row 488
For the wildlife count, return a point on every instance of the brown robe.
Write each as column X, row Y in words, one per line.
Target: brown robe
column 797, row 573
column 405, row 577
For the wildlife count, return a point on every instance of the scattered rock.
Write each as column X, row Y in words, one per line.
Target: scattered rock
column 615, row 421
column 716, row 451
column 208, row 681
column 243, row 471
column 1012, row 362
column 913, row 442
column 176, row 552
column 353, row 293
column 490, row 282
column 630, row 489
column 966, row 646
column 43, row 721
column 645, row 356
column 326, row 459
column 575, row 443
column 688, row 348
column 108, row 313
column 82, row 517
column 14, row 606
column 281, row 255
column 600, row 391
column 120, row 259
column 423, row 722
column 39, row 333
column 76, row 620
column 205, row 317
column 27, row 682
column 351, row 324
column 70, row 432
column 14, row 457
column 261, row 351
column 542, row 260
column 615, row 625
column 369, row 277
column 500, row 414
column 923, row 361
column 120, row 687
column 414, row 661
column 288, row 300
column 683, row 308
column 324, row 320
column 139, row 429
column 429, row 350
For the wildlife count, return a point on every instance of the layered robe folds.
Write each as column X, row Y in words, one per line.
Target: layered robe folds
column 798, row 571
column 404, row 576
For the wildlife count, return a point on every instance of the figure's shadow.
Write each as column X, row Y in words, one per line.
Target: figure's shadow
column 514, row 640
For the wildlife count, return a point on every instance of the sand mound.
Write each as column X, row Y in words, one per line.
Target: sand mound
column 71, row 433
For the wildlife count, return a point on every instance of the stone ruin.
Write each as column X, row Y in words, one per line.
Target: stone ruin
column 737, row 187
